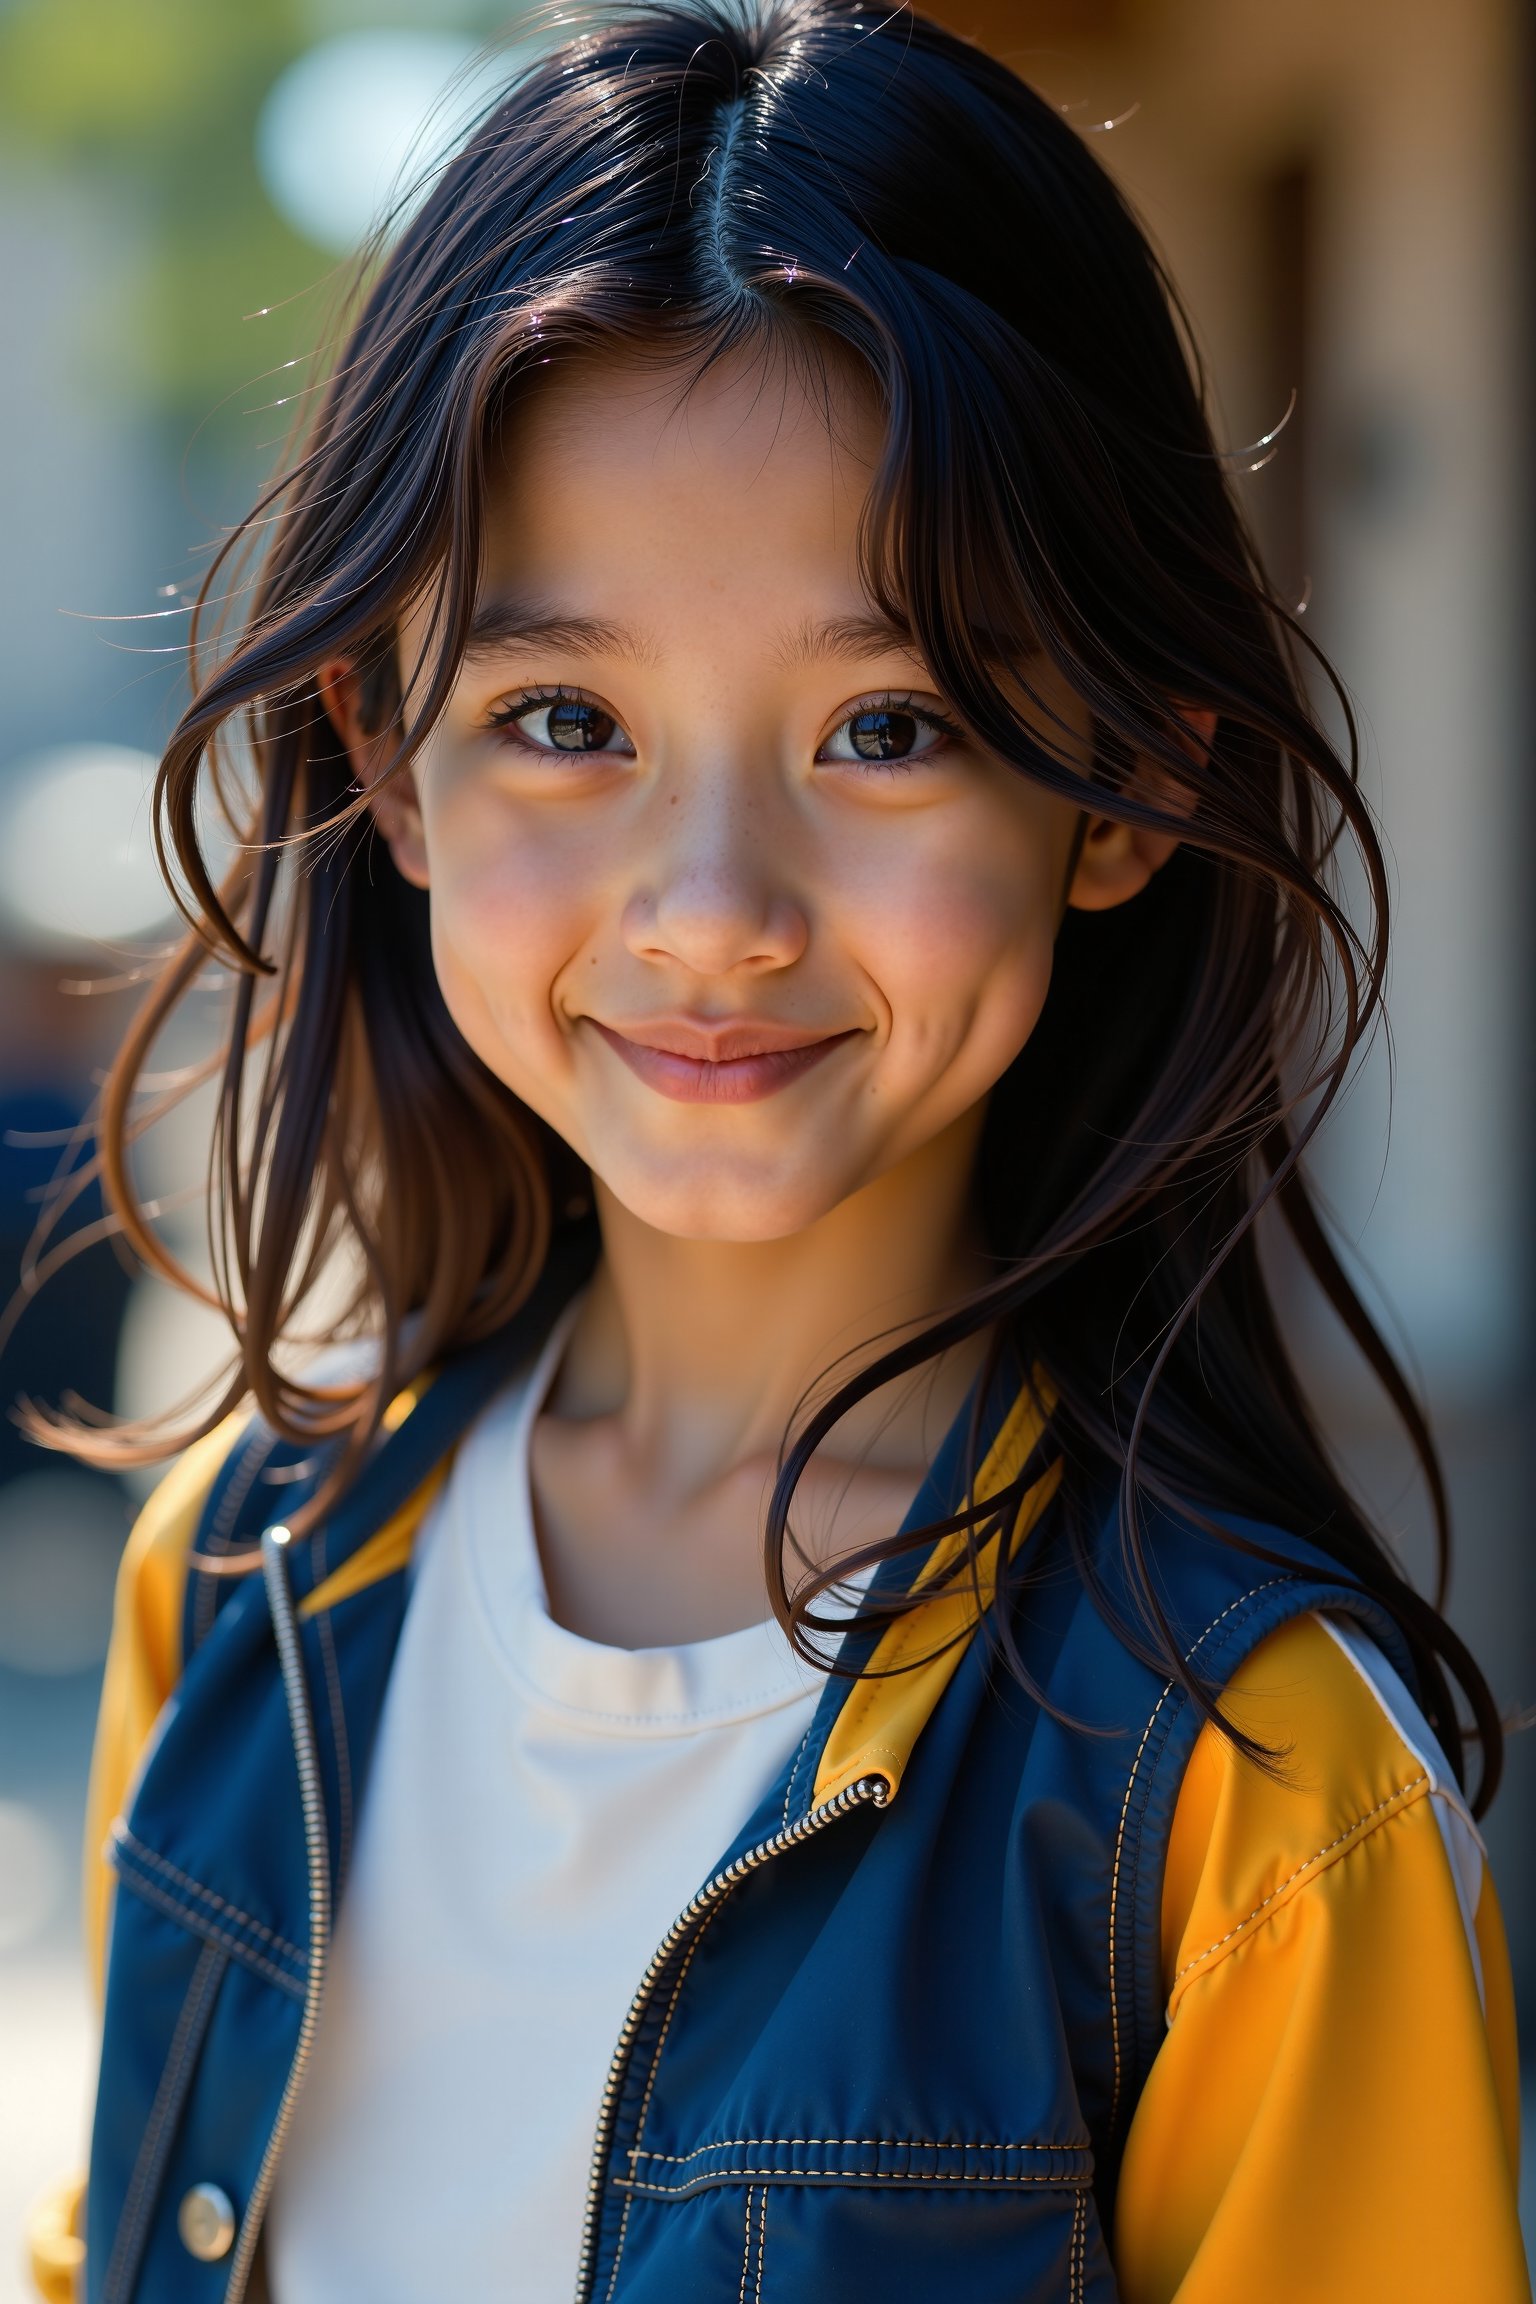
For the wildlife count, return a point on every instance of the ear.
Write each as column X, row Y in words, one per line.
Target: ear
column 392, row 800
column 1116, row 860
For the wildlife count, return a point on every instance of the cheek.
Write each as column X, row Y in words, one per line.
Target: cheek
column 957, row 937
column 507, row 914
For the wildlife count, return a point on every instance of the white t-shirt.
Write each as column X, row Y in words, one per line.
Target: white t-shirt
column 540, row 1810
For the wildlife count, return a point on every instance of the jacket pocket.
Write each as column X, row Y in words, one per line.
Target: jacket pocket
column 799, row 2221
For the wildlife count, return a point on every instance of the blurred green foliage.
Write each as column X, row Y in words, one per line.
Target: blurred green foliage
column 152, row 105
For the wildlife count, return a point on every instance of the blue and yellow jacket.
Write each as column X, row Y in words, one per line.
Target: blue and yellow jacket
column 990, row 1998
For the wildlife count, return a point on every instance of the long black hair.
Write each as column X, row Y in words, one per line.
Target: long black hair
column 700, row 176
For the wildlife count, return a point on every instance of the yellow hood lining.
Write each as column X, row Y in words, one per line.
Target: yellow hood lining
column 918, row 1655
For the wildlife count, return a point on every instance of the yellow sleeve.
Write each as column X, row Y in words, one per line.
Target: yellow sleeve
column 56, row 2243
column 1333, row 2114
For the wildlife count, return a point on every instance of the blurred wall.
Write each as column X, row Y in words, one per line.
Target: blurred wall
column 1338, row 192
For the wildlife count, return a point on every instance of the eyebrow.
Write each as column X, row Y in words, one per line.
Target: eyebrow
column 845, row 640
column 501, row 624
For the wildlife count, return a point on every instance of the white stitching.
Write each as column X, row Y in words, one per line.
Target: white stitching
column 794, row 1772
column 762, row 2244
column 746, row 2250
column 1079, row 2246
column 1114, row 1891
column 1269, row 1585
column 256, row 1448
column 872, row 2143
column 199, row 1924
column 1369, row 1817
column 1052, row 2179
column 650, row 2083
column 211, row 1963
column 146, row 1855
column 339, row 1745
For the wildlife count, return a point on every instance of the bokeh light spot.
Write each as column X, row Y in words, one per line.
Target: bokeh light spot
column 31, row 1875
column 77, row 865
column 359, row 118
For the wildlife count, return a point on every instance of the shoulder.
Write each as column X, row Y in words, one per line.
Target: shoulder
column 1354, row 1764
column 153, row 1575
column 1334, row 2102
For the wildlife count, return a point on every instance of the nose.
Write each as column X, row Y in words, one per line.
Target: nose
column 711, row 900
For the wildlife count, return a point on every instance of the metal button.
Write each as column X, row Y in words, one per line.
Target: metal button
column 206, row 2222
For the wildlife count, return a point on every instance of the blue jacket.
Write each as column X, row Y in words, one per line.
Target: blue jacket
column 891, row 2046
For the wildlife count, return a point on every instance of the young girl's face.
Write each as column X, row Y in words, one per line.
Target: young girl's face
column 718, row 886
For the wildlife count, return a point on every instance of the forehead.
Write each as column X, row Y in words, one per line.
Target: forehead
column 618, row 468
column 774, row 395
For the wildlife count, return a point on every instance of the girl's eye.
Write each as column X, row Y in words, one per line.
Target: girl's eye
column 892, row 734
column 561, row 723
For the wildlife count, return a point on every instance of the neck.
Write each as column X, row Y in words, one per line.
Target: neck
column 702, row 1350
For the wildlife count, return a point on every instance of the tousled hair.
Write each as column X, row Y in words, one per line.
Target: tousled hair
column 701, row 177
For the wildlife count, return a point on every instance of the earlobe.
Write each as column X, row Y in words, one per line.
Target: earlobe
column 1115, row 861
column 392, row 799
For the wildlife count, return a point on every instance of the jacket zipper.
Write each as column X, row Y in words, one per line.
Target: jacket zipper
column 274, row 1543
column 869, row 1791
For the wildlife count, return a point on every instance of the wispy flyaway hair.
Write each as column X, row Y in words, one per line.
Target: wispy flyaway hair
column 861, row 190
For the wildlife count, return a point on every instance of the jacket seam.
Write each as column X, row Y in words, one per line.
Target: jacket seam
column 191, row 2022
column 746, row 2249
column 794, row 1772
column 650, row 2083
column 128, row 1841
column 1049, row 2179
column 198, row 1924
column 1370, row 1820
column 1254, row 1591
column 1114, row 1894
column 1079, row 2247
column 337, row 1708
column 870, row 2143
column 255, row 1448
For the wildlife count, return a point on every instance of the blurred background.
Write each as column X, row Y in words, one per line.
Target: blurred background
column 1339, row 187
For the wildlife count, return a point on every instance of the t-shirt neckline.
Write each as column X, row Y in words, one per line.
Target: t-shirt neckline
column 682, row 1690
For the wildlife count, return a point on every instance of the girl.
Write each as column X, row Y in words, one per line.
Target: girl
column 784, row 920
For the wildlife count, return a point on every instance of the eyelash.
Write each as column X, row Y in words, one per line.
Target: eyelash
column 506, row 716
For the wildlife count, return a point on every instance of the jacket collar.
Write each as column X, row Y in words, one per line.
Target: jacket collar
column 889, row 1679
column 879, row 1716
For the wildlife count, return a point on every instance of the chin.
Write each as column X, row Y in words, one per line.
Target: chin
column 727, row 1207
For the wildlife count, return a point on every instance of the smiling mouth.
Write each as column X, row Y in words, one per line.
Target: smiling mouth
column 731, row 1064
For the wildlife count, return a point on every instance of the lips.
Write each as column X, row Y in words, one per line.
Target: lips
column 737, row 1061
